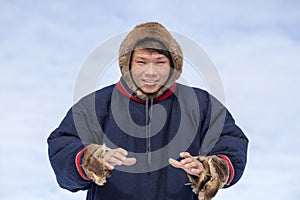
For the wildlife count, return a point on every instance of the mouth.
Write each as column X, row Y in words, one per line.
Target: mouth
column 150, row 83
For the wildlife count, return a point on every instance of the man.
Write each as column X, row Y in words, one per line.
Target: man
column 141, row 138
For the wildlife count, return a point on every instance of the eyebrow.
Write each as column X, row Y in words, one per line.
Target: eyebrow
column 157, row 58
column 139, row 57
column 161, row 57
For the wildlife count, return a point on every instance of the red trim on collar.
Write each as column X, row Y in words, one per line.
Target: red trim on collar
column 124, row 92
column 161, row 98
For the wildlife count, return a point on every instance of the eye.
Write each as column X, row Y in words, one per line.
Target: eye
column 140, row 62
column 161, row 62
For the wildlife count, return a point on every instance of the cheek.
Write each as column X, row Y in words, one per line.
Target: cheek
column 135, row 73
column 165, row 72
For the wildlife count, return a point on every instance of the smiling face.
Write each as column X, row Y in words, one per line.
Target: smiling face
column 149, row 69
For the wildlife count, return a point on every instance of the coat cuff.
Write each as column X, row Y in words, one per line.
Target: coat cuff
column 78, row 161
column 231, row 169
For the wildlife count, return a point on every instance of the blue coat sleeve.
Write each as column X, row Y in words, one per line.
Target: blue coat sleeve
column 230, row 143
column 81, row 126
column 233, row 144
column 64, row 144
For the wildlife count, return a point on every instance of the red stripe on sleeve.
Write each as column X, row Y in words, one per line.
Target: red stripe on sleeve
column 230, row 167
column 78, row 164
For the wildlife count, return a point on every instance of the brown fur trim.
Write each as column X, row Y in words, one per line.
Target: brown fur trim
column 93, row 164
column 214, row 176
column 158, row 32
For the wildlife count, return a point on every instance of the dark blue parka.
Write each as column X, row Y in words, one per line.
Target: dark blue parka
column 182, row 119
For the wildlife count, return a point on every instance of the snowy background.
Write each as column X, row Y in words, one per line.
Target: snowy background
column 254, row 44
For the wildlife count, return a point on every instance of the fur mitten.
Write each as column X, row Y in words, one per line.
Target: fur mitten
column 93, row 164
column 214, row 176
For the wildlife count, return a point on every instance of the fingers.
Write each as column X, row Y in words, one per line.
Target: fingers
column 129, row 161
column 185, row 154
column 117, row 157
column 184, row 164
column 175, row 163
column 189, row 164
column 110, row 167
column 195, row 171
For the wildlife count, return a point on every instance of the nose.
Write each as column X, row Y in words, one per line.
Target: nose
column 150, row 70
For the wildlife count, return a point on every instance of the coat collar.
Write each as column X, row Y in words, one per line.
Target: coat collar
column 124, row 89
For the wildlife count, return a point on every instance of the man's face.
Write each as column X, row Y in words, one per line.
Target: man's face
column 149, row 70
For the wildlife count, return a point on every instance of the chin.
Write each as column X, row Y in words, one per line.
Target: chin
column 149, row 90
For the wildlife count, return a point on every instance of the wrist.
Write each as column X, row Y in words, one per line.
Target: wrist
column 93, row 163
column 231, row 168
column 78, row 163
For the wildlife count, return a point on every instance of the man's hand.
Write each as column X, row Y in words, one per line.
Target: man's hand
column 189, row 164
column 99, row 160
column 207, row 174
column 119, row 157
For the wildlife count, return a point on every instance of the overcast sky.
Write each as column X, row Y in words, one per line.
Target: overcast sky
column 255, row 46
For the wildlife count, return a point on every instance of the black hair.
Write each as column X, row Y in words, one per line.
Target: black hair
column 152, row 44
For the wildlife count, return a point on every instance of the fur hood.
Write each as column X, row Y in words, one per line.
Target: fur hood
column 156, row 31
